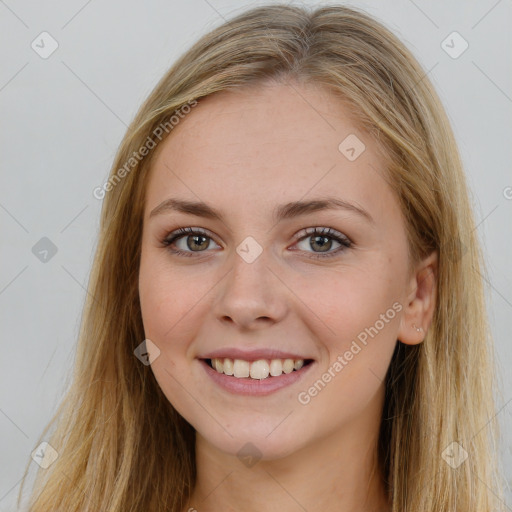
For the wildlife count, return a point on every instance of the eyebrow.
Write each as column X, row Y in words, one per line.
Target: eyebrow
column 281, row 212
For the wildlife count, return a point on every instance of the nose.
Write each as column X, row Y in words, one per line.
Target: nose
column 252, row 295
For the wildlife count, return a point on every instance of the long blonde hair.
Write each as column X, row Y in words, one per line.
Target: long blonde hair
column 123, row 447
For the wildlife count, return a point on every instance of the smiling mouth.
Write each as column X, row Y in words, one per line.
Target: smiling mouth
column 257, row 370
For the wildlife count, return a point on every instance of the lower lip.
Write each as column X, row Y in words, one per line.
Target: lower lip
column 254, row 387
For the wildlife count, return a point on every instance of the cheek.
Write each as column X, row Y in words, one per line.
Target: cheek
column 348, row 303
column 164, row 316
column 359, row 315
column 167, row 304
column 168, row 298
column 358, row 347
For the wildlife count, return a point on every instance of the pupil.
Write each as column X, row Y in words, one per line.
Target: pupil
column 327, row 242
column 195, row 244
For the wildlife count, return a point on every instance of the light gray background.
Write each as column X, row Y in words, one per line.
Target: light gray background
column 63, row 118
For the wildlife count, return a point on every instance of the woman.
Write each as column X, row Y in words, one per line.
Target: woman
column 326, row 346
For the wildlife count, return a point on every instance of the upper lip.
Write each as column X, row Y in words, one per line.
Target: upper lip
column 251, row 355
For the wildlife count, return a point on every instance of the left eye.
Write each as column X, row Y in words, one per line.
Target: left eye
column 197, row 240
column 322, row 238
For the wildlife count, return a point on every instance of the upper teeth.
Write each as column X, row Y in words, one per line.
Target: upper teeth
column 259, row 369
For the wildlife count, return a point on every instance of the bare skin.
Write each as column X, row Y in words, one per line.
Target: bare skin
column 244, row 153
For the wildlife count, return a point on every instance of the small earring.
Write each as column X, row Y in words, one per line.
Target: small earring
column 417, row 328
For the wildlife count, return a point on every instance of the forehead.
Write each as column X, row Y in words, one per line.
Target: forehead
column 267, row 144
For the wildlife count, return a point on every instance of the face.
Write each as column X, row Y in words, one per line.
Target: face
column 259, row 278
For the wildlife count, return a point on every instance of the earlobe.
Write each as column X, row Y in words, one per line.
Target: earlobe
column 420, row 302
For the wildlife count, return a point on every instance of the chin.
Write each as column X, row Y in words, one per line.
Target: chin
column 253, row 442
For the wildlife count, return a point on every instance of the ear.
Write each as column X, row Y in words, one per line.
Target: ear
column 420, row 303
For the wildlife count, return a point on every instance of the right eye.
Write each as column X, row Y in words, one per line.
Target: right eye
column 194, row 238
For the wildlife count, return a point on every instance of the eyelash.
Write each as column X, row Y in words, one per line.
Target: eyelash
column 345, row 242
